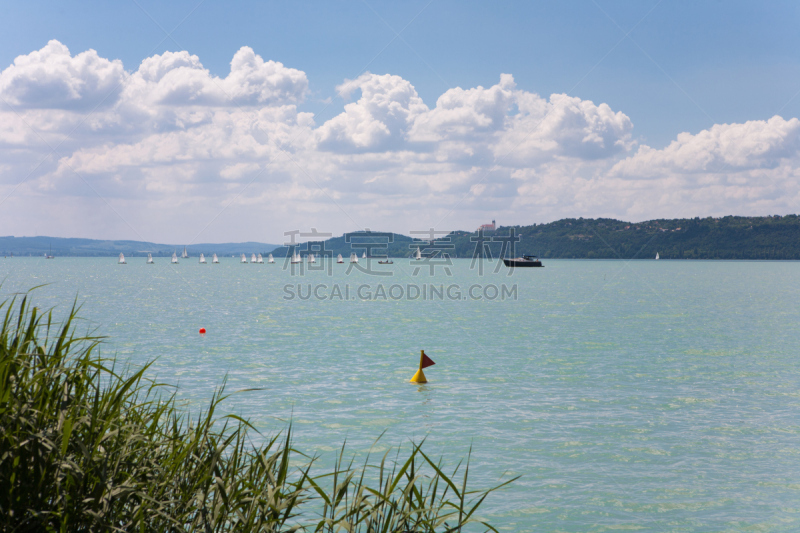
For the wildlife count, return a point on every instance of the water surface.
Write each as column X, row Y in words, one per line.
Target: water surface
column 644, row 395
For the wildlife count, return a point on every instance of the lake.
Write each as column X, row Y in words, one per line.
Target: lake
column 641, row 395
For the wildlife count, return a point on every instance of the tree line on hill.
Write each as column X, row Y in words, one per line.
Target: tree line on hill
column 730, row 237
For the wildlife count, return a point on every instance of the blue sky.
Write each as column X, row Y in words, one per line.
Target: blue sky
column 668, row 67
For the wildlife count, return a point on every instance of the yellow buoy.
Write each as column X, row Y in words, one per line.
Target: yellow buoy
column 419, row 377
column 424, row 362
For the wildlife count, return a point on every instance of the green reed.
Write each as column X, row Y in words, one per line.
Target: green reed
column 85, row 446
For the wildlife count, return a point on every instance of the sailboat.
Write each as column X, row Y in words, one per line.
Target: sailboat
column 185, row 255
column 49, row 255
column 122, row 259
column 296, row 258
column 260, row 260
column 150, row 259
column 365, row 255
column 353, row 258
column 244, row 259
column 339, row 259
column 174, row 258
column 202, row 259
column 311, row 258
column 417, row 254
column 253, row 258
column 656, row 255
column 214, row 259
column 270, row 259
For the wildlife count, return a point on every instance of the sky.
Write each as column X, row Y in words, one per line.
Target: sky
column 207, row 121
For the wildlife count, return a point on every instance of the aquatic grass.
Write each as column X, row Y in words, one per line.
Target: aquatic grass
column 85, row 446
column 402, row 497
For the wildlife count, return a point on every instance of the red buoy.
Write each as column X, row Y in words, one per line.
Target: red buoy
column 202, row 331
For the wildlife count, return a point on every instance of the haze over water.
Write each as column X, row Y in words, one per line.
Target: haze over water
column 661, row 396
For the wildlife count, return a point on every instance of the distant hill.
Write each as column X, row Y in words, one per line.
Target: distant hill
column 373, row 243
column 730, row 237
column 89, row 247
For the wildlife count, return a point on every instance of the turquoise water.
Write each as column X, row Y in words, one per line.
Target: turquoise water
column 655, row 396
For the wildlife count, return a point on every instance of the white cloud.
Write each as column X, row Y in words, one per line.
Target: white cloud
column 253, row 81
column 723, row 148
column 238, row 170
column 564, row 126
column 378, row 121
column 179, row 79
column 179, row 144
column 461, row 114
column 52, row 78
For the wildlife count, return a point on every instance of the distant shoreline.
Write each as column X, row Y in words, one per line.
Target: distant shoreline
column 279, row 260
column 711, row 238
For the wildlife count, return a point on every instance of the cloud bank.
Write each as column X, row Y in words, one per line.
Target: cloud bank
column 170, row 152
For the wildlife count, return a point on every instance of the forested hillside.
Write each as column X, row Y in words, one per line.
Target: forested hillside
column 730, row 237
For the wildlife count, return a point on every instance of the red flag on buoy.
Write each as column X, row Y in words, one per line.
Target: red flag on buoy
column 426, row 361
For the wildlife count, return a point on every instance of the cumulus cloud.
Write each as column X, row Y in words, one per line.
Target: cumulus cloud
column 179, row 79
column 461, row 113
column 174, row 141
column 378, row 121
column 51, row 78
column 722, row 148
column 564, row 126
column 253, row 81
column 229, row 137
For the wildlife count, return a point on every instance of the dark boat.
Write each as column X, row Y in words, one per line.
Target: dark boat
column 387, row 262
column 524, row 261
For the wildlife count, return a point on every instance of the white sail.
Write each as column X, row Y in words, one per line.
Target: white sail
column 296, row 258
column 260, row 259
column 185, row 255
column 339, row 259
column 365, row 255
column 253, row 258
column 202, row 258
column 174, row 257
column 122, row 259
column 244, row 259
column 271, row 259
column 150, row 259
column 417, row 254
column 214, row 259
column 656, row 255
column 311, row 258
column 353, row 258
